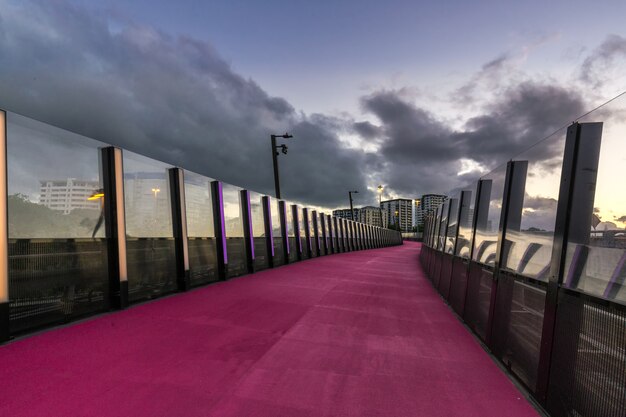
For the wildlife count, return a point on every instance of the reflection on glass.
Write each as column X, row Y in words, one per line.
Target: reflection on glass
column 149, row 233
column 488, row 219
column 443, row 227
column 200, row 229
column 52, row 200
column 596, row 264
column 279, row 252
column 529, row 244
column 57, row 252
column 465, row 223
column 233, row 227
column 261, row 260
column 452, row 225
column 294, row 246
column 146, row 197
column 313, row 224
column 199, row 205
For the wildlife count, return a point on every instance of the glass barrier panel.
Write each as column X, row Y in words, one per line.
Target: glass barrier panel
column 57, row 253
column 528, row 246
column 200, row 229
column 149, row 234
column 443, row 227
column 466, row 218
column 452, row 225
column 313, row 219
column 279, row 251
column 437, row 225
column 329, row 233
column 596, row 263
column 488, row 221
column 321, row 224
column 233, row 227
column 293, row 243
column 304, row 228
column 261, row 258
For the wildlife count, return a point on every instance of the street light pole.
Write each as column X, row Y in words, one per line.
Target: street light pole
column 351, row 208
column 283, row 149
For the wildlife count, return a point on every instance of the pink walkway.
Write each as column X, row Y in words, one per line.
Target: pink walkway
column 357, row 334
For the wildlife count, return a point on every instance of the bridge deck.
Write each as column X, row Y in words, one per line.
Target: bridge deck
column 356, row 334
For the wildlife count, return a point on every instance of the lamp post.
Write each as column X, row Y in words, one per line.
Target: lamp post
column 283, row 149
column 351, row 208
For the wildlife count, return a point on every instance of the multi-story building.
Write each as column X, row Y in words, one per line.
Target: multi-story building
column 69, row 194
column 399, row 213
column 345, row 214
column 427, row 204
column 371, row 215
column 416, row 213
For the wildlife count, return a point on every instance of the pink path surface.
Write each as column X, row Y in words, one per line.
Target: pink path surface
column 356, row 334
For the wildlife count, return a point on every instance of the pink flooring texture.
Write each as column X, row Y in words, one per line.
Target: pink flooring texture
column 356, row 334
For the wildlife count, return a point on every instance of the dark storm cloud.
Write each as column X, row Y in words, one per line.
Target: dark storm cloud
column 422, row 154
column 595, row 66
column 171, row 98
column 366, row 130
column 176, row 99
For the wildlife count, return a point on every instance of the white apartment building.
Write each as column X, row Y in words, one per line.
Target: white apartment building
column 372, row 215
column 68, row 194
column 345, row 213
column 399, row 213
column 427, row 204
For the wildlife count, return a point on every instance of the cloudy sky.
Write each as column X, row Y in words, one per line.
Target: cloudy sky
column 417, row 96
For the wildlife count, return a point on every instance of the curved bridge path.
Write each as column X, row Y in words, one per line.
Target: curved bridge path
column 355, row 334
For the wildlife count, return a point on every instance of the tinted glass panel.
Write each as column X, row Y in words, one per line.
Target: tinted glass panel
column 488, row 219
column 452, row 225
column 233, row 226
column 279, row 252
column 596, row 263
column 200, row 229
column 529, row 241
column 149, row 234
column 258, row 231
column 465, row 223
column 57, row 252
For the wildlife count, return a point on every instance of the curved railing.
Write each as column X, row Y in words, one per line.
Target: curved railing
column 524, row 258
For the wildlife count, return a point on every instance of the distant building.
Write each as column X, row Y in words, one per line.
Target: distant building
column 399, row 212
column 69, row 194
column 345, row 214
column 371, row 215
column 416, row 214
column 427, row 204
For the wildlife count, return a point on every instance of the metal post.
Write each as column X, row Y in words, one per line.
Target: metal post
column 220, row 233
column 269, row 230
column 573, row 223
column 115, row 225
column 4, row 233
column 324, row 236
column 275, row 161
column 296, row 226
column 179, row 225
column 248, row 233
